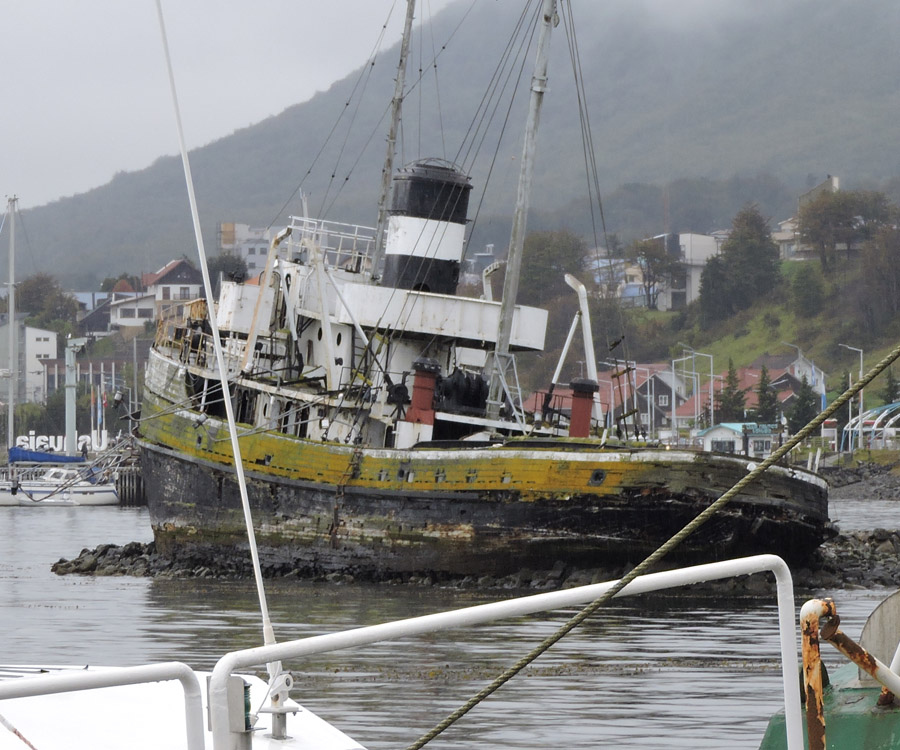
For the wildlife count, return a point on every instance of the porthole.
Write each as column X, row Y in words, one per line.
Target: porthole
column 319, row 334
column 597, row 477
column 337, row 340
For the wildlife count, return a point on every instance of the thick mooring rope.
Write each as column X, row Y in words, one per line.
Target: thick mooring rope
column 655, row 556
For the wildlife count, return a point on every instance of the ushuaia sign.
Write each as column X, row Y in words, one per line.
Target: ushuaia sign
column 96, row 441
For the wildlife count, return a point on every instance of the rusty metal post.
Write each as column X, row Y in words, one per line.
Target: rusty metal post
column 812, row 669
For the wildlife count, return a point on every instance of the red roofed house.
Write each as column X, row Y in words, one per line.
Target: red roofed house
column 172, row 285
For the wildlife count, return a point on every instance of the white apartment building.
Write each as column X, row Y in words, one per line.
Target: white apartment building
column 33, row 346
column 244, row 241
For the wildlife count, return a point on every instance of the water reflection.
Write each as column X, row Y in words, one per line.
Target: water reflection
column 701, row 673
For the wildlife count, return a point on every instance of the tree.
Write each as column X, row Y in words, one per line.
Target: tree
column 229, row 267
column 48, row 305
column 841, row 218
column 657, row 265
column 751, row 257
column 746, row 270
column 767, row 399
column 715, row 300
column 805, row 407
column 807, row 290
column 31, row 293
column 891, row 392
column 109, row 283
column 546, row 258
column 730, row 400
column 881, row 268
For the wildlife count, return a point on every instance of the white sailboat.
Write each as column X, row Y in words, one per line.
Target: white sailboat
column 45, row 479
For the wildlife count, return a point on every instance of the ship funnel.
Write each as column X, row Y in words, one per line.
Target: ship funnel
column 426, row 232
column 583, row 391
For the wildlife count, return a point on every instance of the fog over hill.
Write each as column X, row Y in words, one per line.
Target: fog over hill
column 778, row 93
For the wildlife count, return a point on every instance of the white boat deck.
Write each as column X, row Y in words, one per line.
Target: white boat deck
column 145, row 716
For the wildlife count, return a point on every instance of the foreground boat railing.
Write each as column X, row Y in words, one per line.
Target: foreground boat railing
column 70, row 682
column 226, row 739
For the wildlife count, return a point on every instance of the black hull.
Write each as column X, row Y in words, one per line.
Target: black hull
column 197, row 518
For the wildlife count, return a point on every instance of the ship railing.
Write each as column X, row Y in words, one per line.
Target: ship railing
column 552, row 409
column 220, row 713
column 347, row 246
column 229, row 731
column 75, row 681
column 22, row 472
column 194, row 346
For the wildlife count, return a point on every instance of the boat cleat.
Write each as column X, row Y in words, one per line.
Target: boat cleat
column 280, row 705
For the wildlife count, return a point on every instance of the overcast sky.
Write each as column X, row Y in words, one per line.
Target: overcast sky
column 85, row 93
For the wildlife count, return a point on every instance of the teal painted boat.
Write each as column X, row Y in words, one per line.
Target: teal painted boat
column 857, row 706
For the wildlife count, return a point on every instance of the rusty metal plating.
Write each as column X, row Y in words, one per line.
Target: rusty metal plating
column 810, row 614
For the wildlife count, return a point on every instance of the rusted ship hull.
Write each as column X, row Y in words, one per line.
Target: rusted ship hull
column 467, row 511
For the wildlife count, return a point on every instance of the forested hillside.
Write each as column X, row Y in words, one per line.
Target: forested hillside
column 724, row 102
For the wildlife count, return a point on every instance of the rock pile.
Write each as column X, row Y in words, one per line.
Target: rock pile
column 869, row 481
column 858, row 558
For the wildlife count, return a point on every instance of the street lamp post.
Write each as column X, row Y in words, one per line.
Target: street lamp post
column 694, row 353
column 859, row 427
column 685, row 373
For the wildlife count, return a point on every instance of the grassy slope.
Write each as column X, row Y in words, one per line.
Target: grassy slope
column 765, row 327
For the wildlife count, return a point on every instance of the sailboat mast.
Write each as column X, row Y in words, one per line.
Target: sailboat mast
column 12, row 331
column 523, row 197
column 388, row 169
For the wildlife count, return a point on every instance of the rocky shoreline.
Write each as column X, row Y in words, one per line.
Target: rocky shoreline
column 859, row 558
column 856, row 558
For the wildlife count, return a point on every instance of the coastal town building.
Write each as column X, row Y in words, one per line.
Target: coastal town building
column 171, row 286
column 246, row 242
column 34, row 346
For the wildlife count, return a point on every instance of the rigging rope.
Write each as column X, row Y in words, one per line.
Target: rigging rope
column 657, row 555
column 593, row 186
column 364, row 75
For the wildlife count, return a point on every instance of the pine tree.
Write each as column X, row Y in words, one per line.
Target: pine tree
column 805, row 407
column 730, row 400
column 746, row 270
column 767, row 399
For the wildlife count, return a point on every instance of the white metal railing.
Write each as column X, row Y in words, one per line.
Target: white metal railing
column 70, row 682
column 342, row 245
column 224, row 739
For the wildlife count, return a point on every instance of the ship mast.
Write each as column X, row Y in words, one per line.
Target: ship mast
column 501, row 359
column 12, row 331
column 388, row 169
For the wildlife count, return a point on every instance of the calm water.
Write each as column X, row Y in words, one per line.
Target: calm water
column 672, row 667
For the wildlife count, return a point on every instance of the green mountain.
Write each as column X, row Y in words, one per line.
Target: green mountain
column 726, row 101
